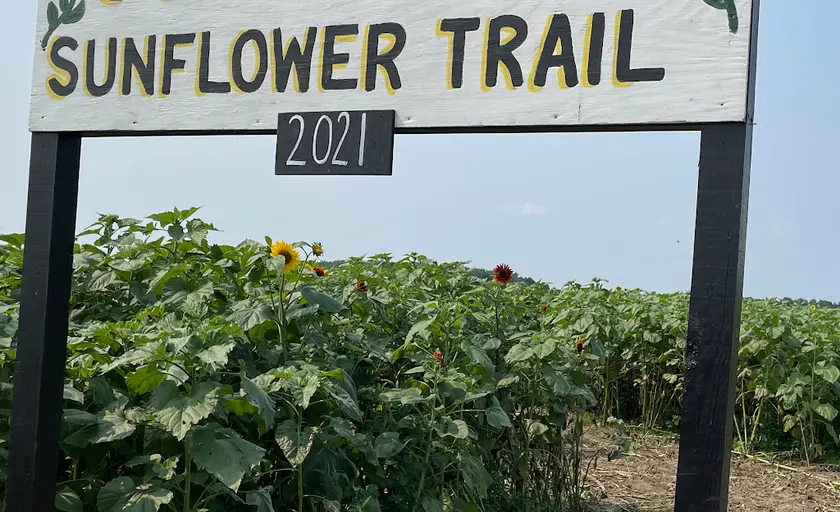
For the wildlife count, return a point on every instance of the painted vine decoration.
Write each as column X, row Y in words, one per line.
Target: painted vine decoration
column 71, row 12
column 731, row 12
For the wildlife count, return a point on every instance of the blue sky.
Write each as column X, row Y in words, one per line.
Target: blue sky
column 556, row 207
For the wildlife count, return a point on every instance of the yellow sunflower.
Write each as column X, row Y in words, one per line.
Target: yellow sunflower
column 288, row 252
column 813, row 307
column 318, row 249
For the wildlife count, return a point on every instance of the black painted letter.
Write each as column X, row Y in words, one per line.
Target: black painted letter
column 91, row 88
column 293, row 56
column 593, row 51
column 170, row 63
column 203, row 83
column 65, row 75
column 624, row 43
column 395, row 34
column 237, row 79
column 456, row 30
column 141, row 67
column 331, row 60
column 496, row 52
column 557, row 37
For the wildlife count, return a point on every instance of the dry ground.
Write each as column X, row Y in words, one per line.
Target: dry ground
column 645, row 480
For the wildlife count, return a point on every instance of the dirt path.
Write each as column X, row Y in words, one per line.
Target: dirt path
column 645, row 481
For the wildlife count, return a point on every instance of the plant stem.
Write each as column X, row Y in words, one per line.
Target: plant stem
column 428, row 445
column 300, row 466
column 188, row 466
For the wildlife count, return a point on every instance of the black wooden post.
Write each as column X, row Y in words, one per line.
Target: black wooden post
column 42, row 345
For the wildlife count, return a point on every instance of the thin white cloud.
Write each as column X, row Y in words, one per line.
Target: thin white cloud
column 533, row 209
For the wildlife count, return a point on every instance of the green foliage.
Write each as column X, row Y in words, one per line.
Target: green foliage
column 203, row 377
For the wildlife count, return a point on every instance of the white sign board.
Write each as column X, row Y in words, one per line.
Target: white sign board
column 221, row 65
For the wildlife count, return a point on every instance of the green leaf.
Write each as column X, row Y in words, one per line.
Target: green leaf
column 535, row 428
column 308, row 390
column 222, row 453
column 261, row 498
column 421, row 329
column 324, row 302
column 121, row 495
column 259, row 399
column 475, row 475
column 432, row 504
column 827, row 411
column 295, row 445
column 176, row 232
column 72, row 394
column 544, row 349
column 178, row 413
column 100, row 279
column 518, row 353
column 52, row 15
column 405, row 396
column 346, row 402
column 145, row 380
column 457, row 429
column 829, row 373
column 387, row 445
column 68, row 501
column 507, row 381
column 76, row 14
column 496, row 416
column 250, row 317
column 477, row 356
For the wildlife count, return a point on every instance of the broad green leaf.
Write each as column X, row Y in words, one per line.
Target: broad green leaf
column 829, row 373
column 222, row 453
column 145, row 380
column 496, row 416
column 261, row 498
column 387, row 445
column 405, row 396
column 121, row 495
column 128, row 265
column 507, row 381
column 345, row 402
column 432, row 504
column 73, row 394
column 475, row 475
column 100, row 279
column 143, row 460
column 216, row 355
column 68, row 501
column 178, row 413
column 827, row 411
column 477, row 356
column 310, row 386
column 324, row 302
column 544, row 349
column 259, row 399
column 250, row 317
column 457, row 429
column 421, row 329
column 518, row 353
column 241, row 407
column 295, row 445
column 535, row 428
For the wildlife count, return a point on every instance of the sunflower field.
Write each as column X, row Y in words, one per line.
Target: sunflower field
column 260, row 377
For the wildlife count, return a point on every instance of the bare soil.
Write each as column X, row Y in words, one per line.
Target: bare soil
column 645, row 479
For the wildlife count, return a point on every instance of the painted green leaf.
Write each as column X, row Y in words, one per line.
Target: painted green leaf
column 222, row 453
column 496, row 416
column 178, row 413
column 295, row 445
column 259, row 399
column 76, row 14
column 324, row 302
column 52, row 15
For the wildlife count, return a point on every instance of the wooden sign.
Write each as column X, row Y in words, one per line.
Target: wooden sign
column 335, row 143
column 214, row 65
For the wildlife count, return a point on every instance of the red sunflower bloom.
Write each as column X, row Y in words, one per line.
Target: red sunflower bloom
column 361, row 287
column 439, row 358
column 579, row 345
column 502, row 274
